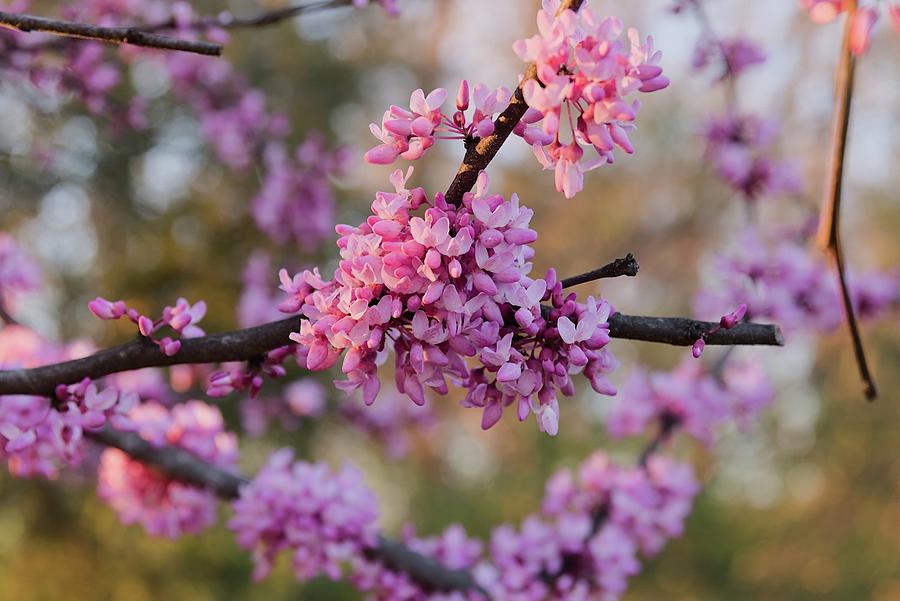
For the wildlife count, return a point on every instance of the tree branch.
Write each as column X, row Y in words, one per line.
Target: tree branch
column 681, row 331
column 250, row 343
column 133, row 36
column 226, row 20
column 238, row 345
column 181, row 465
column 627, row 266
column 829, row 235
column 480, row 155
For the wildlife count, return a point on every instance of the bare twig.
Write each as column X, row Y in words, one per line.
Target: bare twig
column 479, row 155
column 829, row 236
column 226, row 20
column 627, row 266
column 134, row 36
column 181, row 465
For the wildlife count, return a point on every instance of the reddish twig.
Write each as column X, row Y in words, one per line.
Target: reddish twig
column 829, row 236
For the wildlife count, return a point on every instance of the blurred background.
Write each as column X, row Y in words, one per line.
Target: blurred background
column 803, row 505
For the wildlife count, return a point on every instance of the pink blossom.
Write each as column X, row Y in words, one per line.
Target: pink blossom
column 140, row 494
column 324, row 518
column 446, row 283
column 585, row 66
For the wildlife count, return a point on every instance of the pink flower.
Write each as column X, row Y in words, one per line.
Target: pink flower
column 323, row 518
column 140, row 494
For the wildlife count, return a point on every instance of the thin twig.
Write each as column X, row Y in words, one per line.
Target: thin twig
column 181, row 465
column 829, row 236
column 226, row 20
column 134, row 36
column 627, row 266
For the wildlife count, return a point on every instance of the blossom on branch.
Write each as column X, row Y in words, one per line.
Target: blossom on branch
column 438, row 284
column 585, row 73
column 323, row 518
column 163, row 506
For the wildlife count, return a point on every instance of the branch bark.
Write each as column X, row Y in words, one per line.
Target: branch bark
column 250, row 343
column 183, row 466
column 133, row 36
column 480, row 155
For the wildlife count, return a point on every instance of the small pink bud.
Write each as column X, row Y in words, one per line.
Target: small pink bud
column 462, row 96
column 697, row 349
column 383, row 154
column 733, row 318
column 145, row 325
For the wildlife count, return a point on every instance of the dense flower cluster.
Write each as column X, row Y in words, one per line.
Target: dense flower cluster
column 584, row 544
column 323, row 518
column 690, row 398
column 441, row 287
column 584, row 66
column 182, row 318
column 141, row 494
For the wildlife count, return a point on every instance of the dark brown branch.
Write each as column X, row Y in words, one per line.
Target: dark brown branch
column 627, row 266
column 680, row 331
column 250, row 343
column 829, row 224
column 227, row 20
column 134, row 36
column 181, row 465
column 480, row 155
column 238, row 345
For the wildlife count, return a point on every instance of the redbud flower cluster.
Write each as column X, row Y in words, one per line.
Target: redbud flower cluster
column 181, row 318
column 322, row 518
column 691, row 399
column 140, row 494
column 584, row 544
column 438, row 288
column 584, row 67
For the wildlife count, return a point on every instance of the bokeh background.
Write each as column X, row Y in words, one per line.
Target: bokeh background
column 804, row 505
